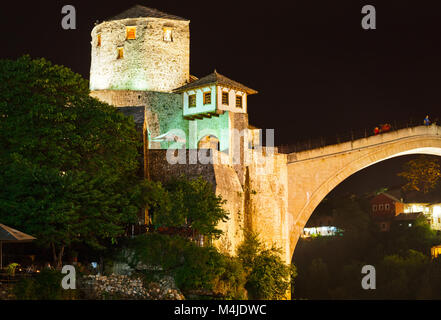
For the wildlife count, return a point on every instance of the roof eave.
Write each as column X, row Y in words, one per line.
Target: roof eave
column 247, row 90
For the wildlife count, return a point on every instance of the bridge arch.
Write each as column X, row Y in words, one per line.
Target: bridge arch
column 314, row 173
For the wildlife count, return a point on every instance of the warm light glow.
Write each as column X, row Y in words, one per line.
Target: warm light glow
column 130, row 33
column 120, row 53
column 319, row 231
column 168, row 35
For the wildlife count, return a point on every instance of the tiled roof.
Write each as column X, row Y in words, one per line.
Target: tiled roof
column 408, row 216
column 393, row 197
column 218, row 79
column 139, row 11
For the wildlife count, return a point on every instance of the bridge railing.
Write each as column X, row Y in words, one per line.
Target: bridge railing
column 345, row 137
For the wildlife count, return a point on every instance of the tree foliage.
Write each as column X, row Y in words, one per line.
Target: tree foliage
column 69, row 162
column 192, row 204
column 196, row 270
column 330, row 267
column 421, row 174
column 268, row 277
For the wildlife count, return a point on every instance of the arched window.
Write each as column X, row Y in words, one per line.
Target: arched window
column 209, row 142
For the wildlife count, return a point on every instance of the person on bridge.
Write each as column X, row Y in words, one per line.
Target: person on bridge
column 376, row 130
column 385, row 127
column 426, row 121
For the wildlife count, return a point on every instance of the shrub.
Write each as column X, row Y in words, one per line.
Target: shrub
column 194, row 268
column 44, row 286
column 268, row 277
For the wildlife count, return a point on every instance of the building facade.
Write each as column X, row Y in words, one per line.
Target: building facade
column 387, row 209
column 140, row 64
column 141, row 58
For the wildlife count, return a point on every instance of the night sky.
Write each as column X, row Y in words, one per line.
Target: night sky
column 317, row 71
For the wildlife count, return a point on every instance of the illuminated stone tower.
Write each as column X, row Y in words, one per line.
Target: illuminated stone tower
column 140, row 49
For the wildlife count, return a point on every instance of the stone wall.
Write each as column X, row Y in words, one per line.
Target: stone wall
column 258, row 204
column 225, row 183
column 267, row 206
column 149, row 62
column 163, row 110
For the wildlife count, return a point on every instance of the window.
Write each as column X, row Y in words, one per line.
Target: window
column 207, row 97
column 130, row 33
column 380, row 207
column 120, row 53
column 168, row 37
column 225, row 98
column 98, row 40
column 238, row 101
column 192, row 101
column 374, row 207
column 386, row 206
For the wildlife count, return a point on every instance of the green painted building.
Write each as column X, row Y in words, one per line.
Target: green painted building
column 140, row 61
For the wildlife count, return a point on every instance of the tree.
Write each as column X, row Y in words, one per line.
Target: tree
column 194, row 206
column 268, row 277
column 69, row 162
column 196, row 270
column 350, row 216
column 421, row 174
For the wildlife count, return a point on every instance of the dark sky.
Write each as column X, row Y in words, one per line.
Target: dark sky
column 317, row 71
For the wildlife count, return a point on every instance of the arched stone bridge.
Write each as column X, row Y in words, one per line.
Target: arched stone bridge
column 312, row 174
column 275, row 194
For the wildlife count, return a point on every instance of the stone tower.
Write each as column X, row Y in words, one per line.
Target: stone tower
column 140, row 49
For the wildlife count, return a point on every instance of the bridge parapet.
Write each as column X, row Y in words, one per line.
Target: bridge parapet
column 371, row 141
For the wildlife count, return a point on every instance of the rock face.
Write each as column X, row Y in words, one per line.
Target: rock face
column 130, row 288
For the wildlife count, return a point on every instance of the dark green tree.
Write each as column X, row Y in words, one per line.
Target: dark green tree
column 194, row 205
column 421, row 174
column 268, row 277
column 69, row 162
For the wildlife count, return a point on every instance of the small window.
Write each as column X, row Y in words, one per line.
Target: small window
column 225, row 98
column 374, row 207
column 98, row 40
column 238, row 101
column 168, row 37
column 380, row 207
column 120, row 53
column 192, row 101
column 386, row 206
column 207, row 97
column 130, row 33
